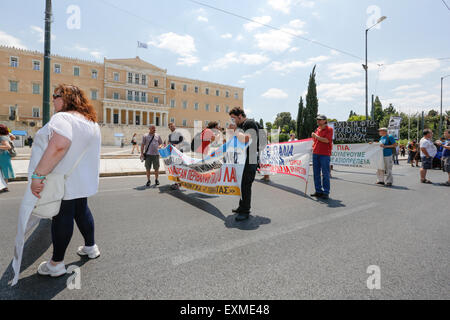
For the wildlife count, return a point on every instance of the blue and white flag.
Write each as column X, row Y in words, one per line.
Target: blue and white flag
column 142, row 45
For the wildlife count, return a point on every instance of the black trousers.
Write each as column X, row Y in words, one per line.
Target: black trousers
column 248, row 177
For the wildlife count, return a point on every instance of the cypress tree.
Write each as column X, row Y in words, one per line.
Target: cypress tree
column 300, row 119
column 312, row 104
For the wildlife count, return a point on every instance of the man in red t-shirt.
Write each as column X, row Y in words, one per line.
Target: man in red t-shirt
column 207, row 136
column 323, row 143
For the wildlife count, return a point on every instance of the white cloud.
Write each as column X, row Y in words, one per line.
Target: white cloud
column 306, row 3
column 184, row 46
column 41, row 33
column 280, row 5
column 345, row 70
column 279, row 40
column 406, row 87
column 341, row 91
column 294, row 49
column 254, row 25
column 227, row 36
column 274, row 41
column 287, row 67
column 97, row 54
column 297, row 24
column 202, row 19
column 235, row 58
column 334, row 52
column 408, row 69
column 274, row 93
column 10, row 41
column 239, row 37
column 241, row 81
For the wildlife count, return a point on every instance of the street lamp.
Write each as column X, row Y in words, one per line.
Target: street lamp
column 440, row 117
column 366, row 67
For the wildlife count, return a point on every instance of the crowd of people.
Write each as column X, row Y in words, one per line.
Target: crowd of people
column 70, row 144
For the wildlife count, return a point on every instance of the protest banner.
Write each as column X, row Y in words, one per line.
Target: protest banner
column 355, row 131
column 218, row 174
column 291, row 158
column 394, row 127
column 358, row 155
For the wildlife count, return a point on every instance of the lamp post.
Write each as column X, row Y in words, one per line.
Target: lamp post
column 46, row 87
column 440, row 117
column 366, row 67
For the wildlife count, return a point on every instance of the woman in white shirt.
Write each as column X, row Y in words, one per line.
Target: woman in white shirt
column 71, row 132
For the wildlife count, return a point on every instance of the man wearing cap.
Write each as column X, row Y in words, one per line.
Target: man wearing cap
column 323, row 143
column 387, row 142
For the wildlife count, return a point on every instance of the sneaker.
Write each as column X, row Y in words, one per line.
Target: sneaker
column 324, row 196
column 380, row 182
column 91, row 252
column 157, row 182
column 148, row 183
column 46, row 269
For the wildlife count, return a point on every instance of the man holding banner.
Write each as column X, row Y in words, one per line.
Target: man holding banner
column 322, row 146
column 387, row 142
column 250, row 128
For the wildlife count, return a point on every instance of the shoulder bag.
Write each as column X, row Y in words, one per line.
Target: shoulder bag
column 49, row 204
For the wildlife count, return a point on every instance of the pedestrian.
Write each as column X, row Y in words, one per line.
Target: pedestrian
column 151, row 142
column 292, row 137
column 5, row 158
column 250, row 132
column 208, row 136
column 30, row 141
column 387, row 142
column 395, row 153
column 68, row 144
column 403, row 151
column 134, row 143
column 175, row 140
column 446, row 155
column 322, row 146
column 412, row 150
column 427, row 152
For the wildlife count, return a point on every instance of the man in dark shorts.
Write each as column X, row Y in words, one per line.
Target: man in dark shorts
column 427, row 152
column 446, row 155
column 150, row 154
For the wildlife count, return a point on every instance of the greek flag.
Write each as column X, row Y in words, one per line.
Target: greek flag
column 142, row 45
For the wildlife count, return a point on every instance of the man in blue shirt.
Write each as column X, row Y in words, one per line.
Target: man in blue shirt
column 446, row 155
column 387, row 142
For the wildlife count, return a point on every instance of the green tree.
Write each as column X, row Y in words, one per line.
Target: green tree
column 378, row 111
column 261, row 123
column 284, row 121
column 357, row 117
column 300, row 119
column 268, row 126
column 312, row 106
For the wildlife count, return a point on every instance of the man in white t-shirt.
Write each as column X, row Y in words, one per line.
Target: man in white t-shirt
column 427, row 152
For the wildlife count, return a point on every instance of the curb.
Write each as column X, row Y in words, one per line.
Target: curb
column 103, row 175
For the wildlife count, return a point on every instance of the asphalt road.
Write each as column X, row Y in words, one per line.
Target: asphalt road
column 161, row 244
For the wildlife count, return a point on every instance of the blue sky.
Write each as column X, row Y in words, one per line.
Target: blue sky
column 273, row 66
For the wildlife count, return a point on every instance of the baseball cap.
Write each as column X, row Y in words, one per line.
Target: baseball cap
column 383, row 129
column 321, row 117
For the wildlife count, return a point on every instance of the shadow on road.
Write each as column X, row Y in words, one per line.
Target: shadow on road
column 284, row 188
column 332, row 203
column 34, row 286
column 366, row 173
column 195, row 200
column 373, row 184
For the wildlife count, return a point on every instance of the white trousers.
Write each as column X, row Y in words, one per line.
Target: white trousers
column 388, row 163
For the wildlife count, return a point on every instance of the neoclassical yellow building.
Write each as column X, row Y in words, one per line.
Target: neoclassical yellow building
column 128, row 94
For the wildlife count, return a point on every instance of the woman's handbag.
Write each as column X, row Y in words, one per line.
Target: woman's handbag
column 50, row 202
column 12, row 152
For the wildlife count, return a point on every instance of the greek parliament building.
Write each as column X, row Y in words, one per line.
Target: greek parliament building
column 128, row 94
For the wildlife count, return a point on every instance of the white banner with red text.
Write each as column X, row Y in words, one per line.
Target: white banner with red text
column 291, row 158
column 367, row 155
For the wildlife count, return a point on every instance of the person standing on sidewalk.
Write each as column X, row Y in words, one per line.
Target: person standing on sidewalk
column 134, row 143
column 250, row 128
column 322, row 146
column 6, row 168
column 151, row 142
column 387, row 142
column 427, row 152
